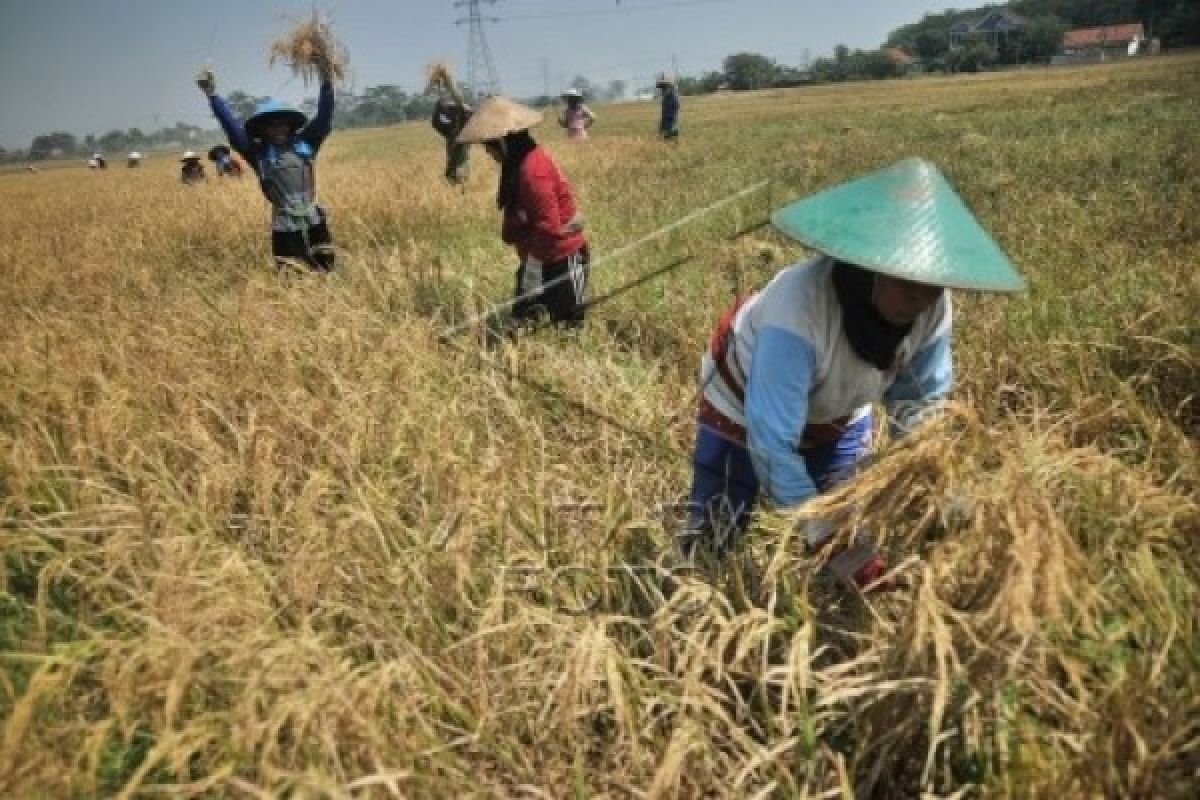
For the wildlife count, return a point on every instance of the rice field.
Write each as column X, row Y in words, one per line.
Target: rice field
column 268, row 538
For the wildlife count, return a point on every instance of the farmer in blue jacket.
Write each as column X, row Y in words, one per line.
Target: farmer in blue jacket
column 280, row 144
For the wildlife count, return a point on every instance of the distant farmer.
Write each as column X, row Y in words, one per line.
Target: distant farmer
column 191, row 170
column 541, row 219
column 224, row 162
column 577, row 118
column 450, row 114
column 792, row 371
column 134, row 160
column 668, row 123
column 280, row 145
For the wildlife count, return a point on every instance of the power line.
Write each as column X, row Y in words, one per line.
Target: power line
column 619, row 9
column 481, row 69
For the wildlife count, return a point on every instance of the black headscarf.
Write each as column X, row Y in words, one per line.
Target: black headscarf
column 516, row 147
column 873, row 338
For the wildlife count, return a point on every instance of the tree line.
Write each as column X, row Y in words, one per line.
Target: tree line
column 57, row 144
column 1175, row 22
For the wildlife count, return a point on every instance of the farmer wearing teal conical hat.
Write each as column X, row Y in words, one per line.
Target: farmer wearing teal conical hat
column 280, row 144
column 793, row 371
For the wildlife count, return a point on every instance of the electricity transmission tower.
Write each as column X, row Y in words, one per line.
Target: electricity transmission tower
column 481, row 70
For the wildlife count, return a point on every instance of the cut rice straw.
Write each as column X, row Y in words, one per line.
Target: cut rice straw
column 310, row 51
column 438, row 74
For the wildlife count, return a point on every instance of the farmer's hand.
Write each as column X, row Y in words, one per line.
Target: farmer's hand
column 207, row 81
column 576, row 224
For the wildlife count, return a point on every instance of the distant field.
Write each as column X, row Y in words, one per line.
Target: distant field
column 268, row 538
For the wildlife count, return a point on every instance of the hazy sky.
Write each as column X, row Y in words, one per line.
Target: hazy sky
column 94, row 65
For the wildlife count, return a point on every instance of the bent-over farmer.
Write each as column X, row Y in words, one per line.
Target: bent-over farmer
column 793, row 371
column 191, row 170
column 540, row 217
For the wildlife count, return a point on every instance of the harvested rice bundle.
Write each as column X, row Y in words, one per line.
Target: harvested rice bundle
column 310, row 50
column 437, row 74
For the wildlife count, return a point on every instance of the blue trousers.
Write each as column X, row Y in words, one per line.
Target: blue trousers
column 725, row 486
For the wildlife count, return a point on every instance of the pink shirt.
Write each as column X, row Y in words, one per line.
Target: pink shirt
column 576, row 122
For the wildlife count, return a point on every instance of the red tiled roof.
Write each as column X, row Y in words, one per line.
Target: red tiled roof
column 1109, row 34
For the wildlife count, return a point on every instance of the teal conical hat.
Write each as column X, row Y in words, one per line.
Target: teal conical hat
column 905, row 221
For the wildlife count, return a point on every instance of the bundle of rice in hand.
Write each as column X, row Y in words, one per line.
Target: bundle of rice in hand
column 311, row 52
column 437, row 74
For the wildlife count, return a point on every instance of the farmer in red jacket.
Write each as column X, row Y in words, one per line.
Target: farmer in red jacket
column 541, row 219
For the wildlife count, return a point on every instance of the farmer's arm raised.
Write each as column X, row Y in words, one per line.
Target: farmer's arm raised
column 234, row 130
column 316, row 130
column 776, row 413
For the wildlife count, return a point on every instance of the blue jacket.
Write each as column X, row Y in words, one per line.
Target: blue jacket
column 312, row 134
column 285, row 174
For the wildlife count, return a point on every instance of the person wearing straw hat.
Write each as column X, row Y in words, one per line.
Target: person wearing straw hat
column 668, row 121
column 540, row 217
column 191, row 170
column 577, row 118
column 280, row 144
column 793, row 371
column 223, row 161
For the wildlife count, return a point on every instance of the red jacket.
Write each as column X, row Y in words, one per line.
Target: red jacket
column 544, row 205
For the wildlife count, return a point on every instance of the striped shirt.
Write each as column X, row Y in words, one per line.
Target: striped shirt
column 782, row 369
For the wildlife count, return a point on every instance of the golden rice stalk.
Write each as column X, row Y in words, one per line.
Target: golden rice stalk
column 310, row 51
column 437, row 73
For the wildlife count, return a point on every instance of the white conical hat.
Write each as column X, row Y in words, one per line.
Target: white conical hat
column 498, row 116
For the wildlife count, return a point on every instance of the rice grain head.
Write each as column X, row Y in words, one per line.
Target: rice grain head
column 309, row 46
column 437, row 73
